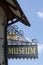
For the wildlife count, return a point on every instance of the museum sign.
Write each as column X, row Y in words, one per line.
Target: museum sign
column 21, row 51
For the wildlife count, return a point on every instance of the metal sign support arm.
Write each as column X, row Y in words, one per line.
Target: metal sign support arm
column 5, row 43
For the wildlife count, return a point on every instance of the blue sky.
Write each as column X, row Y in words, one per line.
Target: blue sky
column 33, row 10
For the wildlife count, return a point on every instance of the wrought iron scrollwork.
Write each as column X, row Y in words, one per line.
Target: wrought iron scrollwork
column 14, row 35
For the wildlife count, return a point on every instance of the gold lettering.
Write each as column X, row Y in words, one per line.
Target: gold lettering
column 19, row 50
column 27, row 50
column 23, row 51
column 10, row 50
column 32, row 51
column 15, row 50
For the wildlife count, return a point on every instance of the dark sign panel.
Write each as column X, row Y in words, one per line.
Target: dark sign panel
column 21, row 51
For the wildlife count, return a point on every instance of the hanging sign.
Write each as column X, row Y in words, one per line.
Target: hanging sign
column 21, row 51
column 15, row 47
